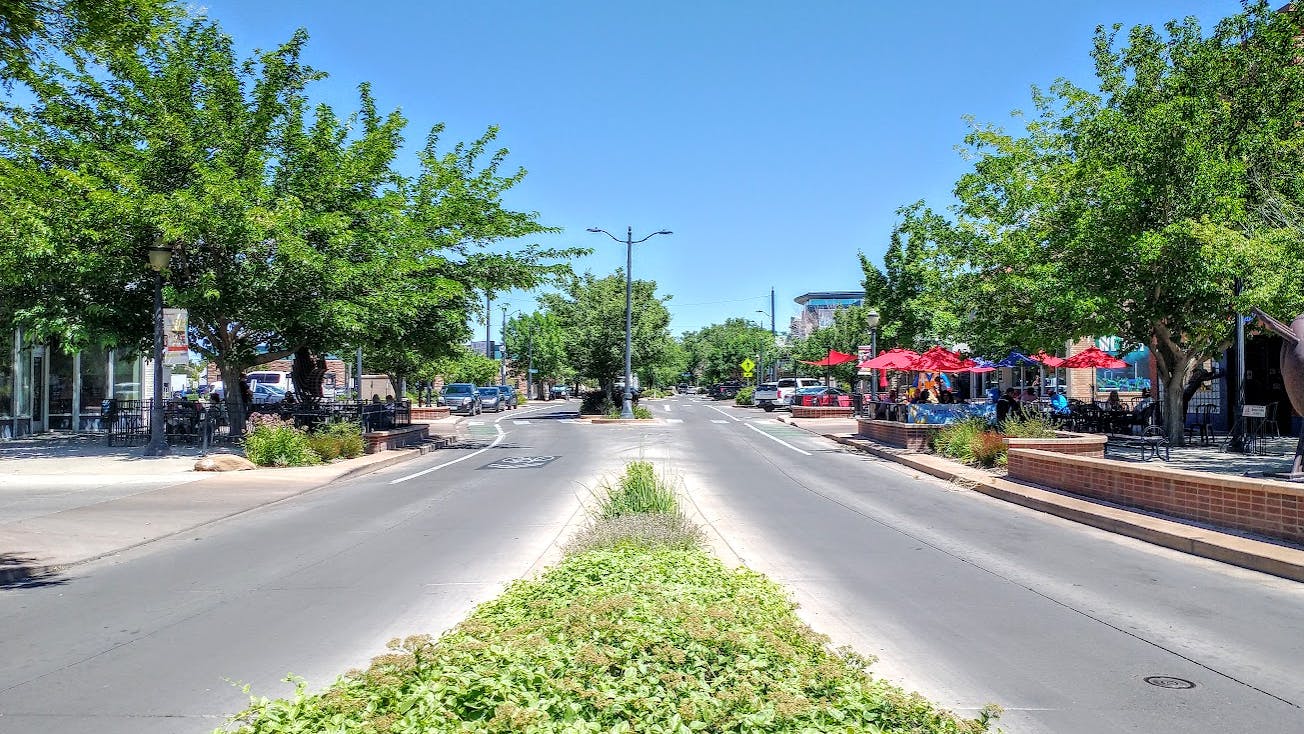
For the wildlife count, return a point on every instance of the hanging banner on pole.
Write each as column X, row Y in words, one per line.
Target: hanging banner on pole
column 864, row 353
column 176, row 347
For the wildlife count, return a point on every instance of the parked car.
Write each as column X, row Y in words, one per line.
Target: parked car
column 279, row 380
column 510, row 400
column 490, row 398
column 818, row 395
column 727, row 390
column 562, row 392
column 266, row 394
column 461, row 397
column 786, row 386
column 766, row 396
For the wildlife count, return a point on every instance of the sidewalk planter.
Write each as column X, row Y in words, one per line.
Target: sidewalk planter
column 1272, row 509
column 911, row 436
column 1077, row 444
column 429, row 413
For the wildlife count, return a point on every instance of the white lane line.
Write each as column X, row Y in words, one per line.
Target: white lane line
column 667, row 407
column 717, row 420
column 513, row 415
column 674, row 420
column 726, row 415
column 520, row 422
column 423, row 472
column 776, row 439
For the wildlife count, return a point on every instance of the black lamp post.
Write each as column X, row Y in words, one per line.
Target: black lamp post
column 627, row 405
column 872, row 319
column 160, row 254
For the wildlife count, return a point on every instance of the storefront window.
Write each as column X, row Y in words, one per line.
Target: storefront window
column 23, row 387
column 62, row 380
column 94, row 378
column 126, row 376
column 7, row 375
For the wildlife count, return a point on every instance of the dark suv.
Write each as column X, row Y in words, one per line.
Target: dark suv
column 461, row 397
column 507, row 397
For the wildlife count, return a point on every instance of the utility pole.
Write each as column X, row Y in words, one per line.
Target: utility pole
column 502, row 334
column 488, row 320
column 774, row 337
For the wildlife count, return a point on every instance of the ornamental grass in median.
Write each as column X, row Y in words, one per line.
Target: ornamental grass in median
column 629, row 639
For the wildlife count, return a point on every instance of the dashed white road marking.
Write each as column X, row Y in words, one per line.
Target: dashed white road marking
column 731, row 417
column 776, row 439
column 521, row 422
column 674, row 420
column 423, row 472
column 667, row 407
column 717, row 420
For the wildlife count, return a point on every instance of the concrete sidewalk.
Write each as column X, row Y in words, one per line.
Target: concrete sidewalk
column 1239, row 550
column 72, row 500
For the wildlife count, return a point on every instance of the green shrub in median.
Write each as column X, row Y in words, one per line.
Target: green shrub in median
column 275, row 442
column 639, row 490
column 744, row 396
column 620, row 640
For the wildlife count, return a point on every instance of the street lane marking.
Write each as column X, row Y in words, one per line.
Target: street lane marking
column 726, row 415
column 776, row 439
column 717, row 420
column 423, row 472
column 674, row 420
column 667, row 407
column 521, row 422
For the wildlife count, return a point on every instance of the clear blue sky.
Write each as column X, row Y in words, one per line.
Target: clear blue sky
column 775, row 139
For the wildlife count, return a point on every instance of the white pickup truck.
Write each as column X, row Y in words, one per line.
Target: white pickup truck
column 773, row 395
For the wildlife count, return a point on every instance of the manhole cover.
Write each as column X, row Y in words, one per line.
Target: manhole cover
column 520, row 462
column 1164, row 681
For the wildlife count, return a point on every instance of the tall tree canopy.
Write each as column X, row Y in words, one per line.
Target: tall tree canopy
column 289, row 224
column 715, row 351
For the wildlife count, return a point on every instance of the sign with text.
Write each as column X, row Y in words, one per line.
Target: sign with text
column 1255, row 411
column 176, row 347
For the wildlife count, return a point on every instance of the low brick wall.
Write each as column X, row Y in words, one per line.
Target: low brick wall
column 912, row 436
column 1077, row 444
column 1273, row 509
column 396, row 438
column 429, row 413
column 820, row 411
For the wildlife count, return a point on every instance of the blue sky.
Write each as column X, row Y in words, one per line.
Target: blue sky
column 775, row 139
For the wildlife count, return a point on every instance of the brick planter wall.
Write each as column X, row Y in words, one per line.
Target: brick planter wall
column 912, row 436
column 395, row 439
column 820, row 411
column 1273, row 509
column 1077, row 444
column 429, row 413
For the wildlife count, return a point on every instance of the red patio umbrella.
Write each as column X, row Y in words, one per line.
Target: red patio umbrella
column 892, row 359
column 1049, row 360
column 835, row 358
column 1093, row 358
column 938, row 359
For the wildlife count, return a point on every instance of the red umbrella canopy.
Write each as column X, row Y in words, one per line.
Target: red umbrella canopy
column 1049, row 360
column 835, row 358
column 938, row 359
column 1092, row 358
column 892, row 359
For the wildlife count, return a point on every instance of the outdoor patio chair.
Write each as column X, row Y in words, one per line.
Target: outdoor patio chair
column 1269, row 426
column 1201, row 421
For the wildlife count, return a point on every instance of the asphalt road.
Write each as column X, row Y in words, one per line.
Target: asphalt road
column 158, row 639
column 968, row 599
column 972, row 600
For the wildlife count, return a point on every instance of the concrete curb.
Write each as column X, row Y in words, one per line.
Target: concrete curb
column 35, row 573
column 1237, row 550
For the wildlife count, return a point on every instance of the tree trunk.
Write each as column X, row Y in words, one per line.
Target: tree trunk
column 1175, row 405
column 232, row 376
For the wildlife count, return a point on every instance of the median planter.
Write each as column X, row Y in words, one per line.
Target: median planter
column 430, row 413
column 911, row 436
column 396, row 438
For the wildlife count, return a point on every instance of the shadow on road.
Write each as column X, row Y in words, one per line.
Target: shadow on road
column 22, row 572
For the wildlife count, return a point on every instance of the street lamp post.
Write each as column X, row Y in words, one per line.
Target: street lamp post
column 160, row 254
column 627, row 405
column 502, row 334
column 872, row 319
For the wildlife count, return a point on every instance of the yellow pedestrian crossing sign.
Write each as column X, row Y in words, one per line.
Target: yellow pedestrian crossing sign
column 748, row 365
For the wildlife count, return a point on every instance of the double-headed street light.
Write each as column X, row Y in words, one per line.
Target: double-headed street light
column 160, row 254
column 627, row 405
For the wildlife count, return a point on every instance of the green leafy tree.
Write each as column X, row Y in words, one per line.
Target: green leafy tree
column 537, row 339
column 591, row 312
column 1133, row 212
column 28, row 27
column 914, row 291
column 464, row 365
column 716, row 351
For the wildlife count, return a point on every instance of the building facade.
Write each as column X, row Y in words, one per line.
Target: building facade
column 817, row 310
column 44, row 388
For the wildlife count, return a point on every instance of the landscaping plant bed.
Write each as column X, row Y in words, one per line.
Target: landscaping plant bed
column 639, row 629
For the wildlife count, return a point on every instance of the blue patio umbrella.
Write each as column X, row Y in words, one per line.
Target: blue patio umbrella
column 1015, row 359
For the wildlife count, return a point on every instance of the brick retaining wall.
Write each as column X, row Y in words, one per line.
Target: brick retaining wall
column 1078, row 444
column 1274, row 509
column 429, row 413
column 912, row 436
column 395, row 439
column 820, row 411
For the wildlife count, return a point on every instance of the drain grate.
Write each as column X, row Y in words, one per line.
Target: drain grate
column 1169, row 682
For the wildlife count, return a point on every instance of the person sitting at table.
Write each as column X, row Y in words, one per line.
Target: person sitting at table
column 994, row 394
column 1008, row 406
column 1028, row 396
column 947, row 397
column 1114, row 403
column 1059, row 402
column 923, row 396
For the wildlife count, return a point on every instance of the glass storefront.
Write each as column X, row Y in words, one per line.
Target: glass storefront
column 23, row 386
column 94, row 386
column 7, row 377
column 126, row 375
column 62, row 383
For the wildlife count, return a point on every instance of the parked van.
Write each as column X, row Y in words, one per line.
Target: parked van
column 280, row 380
